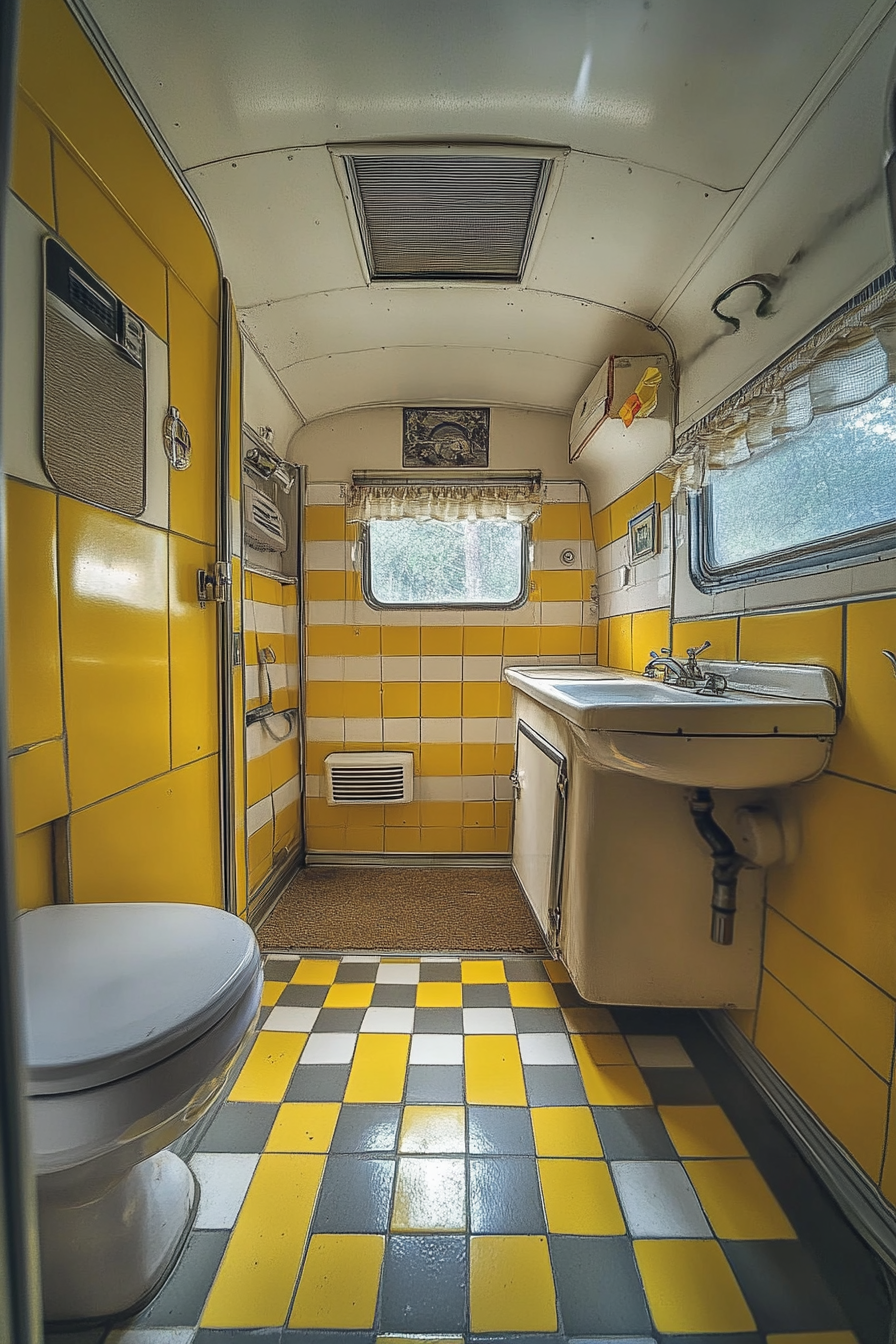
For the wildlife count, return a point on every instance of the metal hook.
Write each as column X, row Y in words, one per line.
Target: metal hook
column 891, row 658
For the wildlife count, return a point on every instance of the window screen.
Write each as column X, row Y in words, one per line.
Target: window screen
column 422, row 562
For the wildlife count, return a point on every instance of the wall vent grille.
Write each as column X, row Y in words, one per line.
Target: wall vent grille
column 369, row 777
column 447, row 216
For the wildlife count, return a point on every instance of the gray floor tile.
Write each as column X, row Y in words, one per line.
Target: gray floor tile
column 658, row 1200
column 567, row 997
column 318, row 1082
column 303, row 996
column 339, row 1019
column 677, row 1087
column 366, row 1129
column 424, row 1284
column 239, row 1127
column 181, row 1300
column 394, row 996
column 280, row 970
column 783, row 1288
column 445, row 1021
column 264, row 1013
column 598, row 1287
column 244, row 1337
column 704, row 1339
column 633, row 1133
column 486, row 996
column 355, row 1194
column 441, row 971
column 500, row 1130
column 525, row 970
column 436, row 1084
column 505, row 1196
column 357, row 973
column 318, row 1337
column 554, row 1085
column 538, row 1019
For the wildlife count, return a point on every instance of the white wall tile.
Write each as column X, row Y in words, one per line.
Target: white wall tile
column 324, row 492
column 401, row 616
column 482, row 668
column 363, row 669
column 364, row 730
column 325, row 730
column 259, row 814
column 547, row 554
column 442, row 616
column 323, row 669
column 328, row 613
column 503, row 789
column 506, row 730
column 561, row 613
column 358, row 613
column 286, row 794
column 440, row 730
column 441, row 668
column 401, row 730
column 478, row 730
column 438, row 788
column 477, row 788
column 314, row 786
column 327, row 555
column 528, row 614
column 265, row 618
column 401, row 669
column 563, row 492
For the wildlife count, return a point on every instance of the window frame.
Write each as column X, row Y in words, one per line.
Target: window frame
column 377, row 605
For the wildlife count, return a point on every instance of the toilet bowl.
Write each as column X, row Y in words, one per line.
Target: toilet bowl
column 134, row 1016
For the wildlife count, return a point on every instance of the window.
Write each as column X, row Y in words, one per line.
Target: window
column 425, row 562
column 824, row 496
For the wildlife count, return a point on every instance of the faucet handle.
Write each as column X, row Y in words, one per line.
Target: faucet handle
column 692, row 653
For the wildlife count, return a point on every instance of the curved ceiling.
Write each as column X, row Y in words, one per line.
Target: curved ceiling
column 668, row 109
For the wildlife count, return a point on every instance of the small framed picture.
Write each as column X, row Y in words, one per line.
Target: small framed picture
column 644, row 534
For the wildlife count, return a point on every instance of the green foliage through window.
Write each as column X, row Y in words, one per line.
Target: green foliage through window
column 421, row 562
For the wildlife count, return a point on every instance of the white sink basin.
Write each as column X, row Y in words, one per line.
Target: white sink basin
column 774, row 725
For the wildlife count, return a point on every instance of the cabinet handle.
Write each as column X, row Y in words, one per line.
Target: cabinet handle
column 891, row 658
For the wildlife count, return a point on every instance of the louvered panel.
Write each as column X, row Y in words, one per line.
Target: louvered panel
column 369, row 777
column 447, row 216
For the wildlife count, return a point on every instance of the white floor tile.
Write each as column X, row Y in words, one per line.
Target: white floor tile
column 658, row 1200
column 223, row 1181
column 398, row 973
column 357, row 960
column 329, row 1047
column 659, row 1052
column 489, row 1022
column 389, row 1020
column 426, row 1049
column 290, row 1019
column 546, row 1047
column 166, row 1334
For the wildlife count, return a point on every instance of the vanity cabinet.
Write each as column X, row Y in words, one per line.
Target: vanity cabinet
column 540, row 779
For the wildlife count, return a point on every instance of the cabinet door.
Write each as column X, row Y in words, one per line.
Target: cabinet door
column 539, row 826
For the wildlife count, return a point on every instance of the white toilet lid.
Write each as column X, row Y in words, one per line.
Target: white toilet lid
column 113, row 989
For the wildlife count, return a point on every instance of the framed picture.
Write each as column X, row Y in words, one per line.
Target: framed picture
column 644, row 534
column 445, row 436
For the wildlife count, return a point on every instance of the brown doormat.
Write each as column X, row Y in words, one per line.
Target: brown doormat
column 402, row 909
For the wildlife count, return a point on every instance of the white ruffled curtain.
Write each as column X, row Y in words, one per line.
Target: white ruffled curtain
column 446, row 503
column 848, row 361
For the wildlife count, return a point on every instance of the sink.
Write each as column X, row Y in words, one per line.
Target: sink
column 773, row 726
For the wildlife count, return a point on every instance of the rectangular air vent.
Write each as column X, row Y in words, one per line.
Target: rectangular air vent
column 264, row 523
column 369, row 777
column 447, row 216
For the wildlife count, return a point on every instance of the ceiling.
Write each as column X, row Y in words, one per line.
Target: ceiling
column 668, row 109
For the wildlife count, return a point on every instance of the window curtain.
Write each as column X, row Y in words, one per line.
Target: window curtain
column 847, row 361
column 448, row 503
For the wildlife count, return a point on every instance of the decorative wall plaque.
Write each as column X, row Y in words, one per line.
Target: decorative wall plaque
column 445, row 436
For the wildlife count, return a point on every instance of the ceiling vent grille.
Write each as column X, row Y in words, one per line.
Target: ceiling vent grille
column 447, row 216
column 370, row 777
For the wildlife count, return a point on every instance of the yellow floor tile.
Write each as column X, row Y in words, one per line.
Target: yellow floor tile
column 340, row 1283
column 255, row 1280
column 315, row 971
column 581, row 1021
column 378, row 1068
column 701, row 1131
column 532, row 994
column 269, row 1066
column 482, row 972
column 430, row 1195
column 565, row 1131
column 439, row 994
column 604, row 1048
column 737, row 1201
column 271, row 991
column 303, row 1127
column 494, row 1071
column 579, row 1198
column 690, row 1287
column 511, row 1285
column 432, row 1129
column 349, row 996
column 430, row 1339
column 612, row 1084
column 557, row 972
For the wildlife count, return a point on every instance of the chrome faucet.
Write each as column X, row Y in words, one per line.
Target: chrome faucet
column 689, row 675
column 674, row 673
column 692, row 668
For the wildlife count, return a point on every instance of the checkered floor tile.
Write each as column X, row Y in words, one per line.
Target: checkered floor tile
column 462, row 1149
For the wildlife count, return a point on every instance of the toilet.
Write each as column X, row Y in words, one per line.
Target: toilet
column 134, row 1015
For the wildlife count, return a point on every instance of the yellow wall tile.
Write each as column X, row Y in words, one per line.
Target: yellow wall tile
column 504, row 759
column 441, row 814
column 794, row 637
column 403, row 840
column 865, row 745
column 31, row 175
column 442, row 839
column 481, row 700
column 483, row 639
column 559, row 522
column 560, row 639
column 353, row 588
column 441, row 639
column 34, row 868
column 650, row 632
column 101, row 236
column 600, row 524
column 400, row 641
column 261, row 846
column 361, row 641
column 848, row 1098
column 157, row 842
column 287, row 825
column 258, row 778
column 402, row 814
column 558, row 585
column 284, row 762
column 114, row 601
column 603, row 643
column 619, row 648
column 888, row 1178
column 193, row 360
column 479, row 814
column 325, row 641
column 325, row 585
column 34, row 672
column 634, row 501
column 324, row 522
column 324, row 699
column 325, row 838
column 850, row 1005
column 663, row 489
column 364, row 839
column 478, row 758
column 721, row 634
column 481, row 840
column 401, row 700
column 588, row 643
column 194, row 655
column 234, row 429
column 521, row 640
column 362, row 699
column 440, row 700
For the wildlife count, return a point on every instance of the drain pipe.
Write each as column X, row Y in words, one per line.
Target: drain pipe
column 726, row 866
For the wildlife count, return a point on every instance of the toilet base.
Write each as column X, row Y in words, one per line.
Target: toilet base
column 106, row 1246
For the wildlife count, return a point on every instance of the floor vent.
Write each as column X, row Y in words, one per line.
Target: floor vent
column 369, row 777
